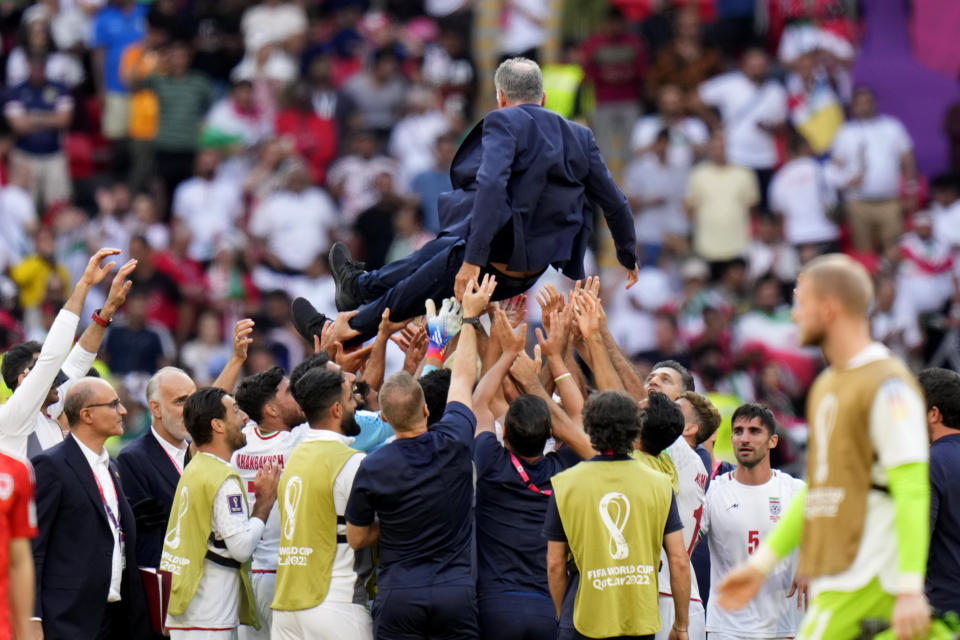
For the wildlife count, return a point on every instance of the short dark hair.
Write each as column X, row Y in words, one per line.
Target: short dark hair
column 612, row 420
column 661, row 423
column 257, row 390
column 435, row 385
column 16, row 359
column 753, row 410
column 318, row 390
column 941, row 387
column 946, row 181
column 200, row 410
column 527, row 425
column 316, row 360
column 707, row 416
column 685, row 377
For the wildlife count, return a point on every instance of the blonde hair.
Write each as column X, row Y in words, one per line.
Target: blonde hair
column 401, row 401
column 843, row 278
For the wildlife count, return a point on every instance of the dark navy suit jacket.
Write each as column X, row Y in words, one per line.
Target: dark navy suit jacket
column 524, row 180
column 74, row 546
column 150, row 481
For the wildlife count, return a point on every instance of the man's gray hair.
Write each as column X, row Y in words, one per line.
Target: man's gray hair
column 520, row 81
column 153, row 385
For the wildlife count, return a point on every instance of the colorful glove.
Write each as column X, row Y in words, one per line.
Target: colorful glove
column 441, row 327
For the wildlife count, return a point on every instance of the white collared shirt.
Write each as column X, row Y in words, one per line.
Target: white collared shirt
column 100, row 463
column 177, row 454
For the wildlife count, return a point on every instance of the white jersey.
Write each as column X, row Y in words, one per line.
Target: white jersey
column 736, row 519
column 260, row 449
column 692, row 478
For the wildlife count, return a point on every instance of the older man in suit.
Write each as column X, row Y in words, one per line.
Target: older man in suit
column 525, row 181
column 87, row 581
column 151, row 465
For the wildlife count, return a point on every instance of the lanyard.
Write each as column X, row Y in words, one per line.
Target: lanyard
column 525, row 477
column 173, row 460
column 110, row 514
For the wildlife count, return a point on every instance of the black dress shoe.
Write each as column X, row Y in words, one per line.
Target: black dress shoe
column 345, row 271
column 307, row 320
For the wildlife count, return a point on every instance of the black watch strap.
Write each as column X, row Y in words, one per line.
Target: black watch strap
column 474, row 322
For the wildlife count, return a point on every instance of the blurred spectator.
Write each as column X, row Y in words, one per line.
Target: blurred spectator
column 35, row 39
column 373, row 228
column 132, row 345
column 894, row 321
column 145, row 221
column 523, row 28
column 752, row 108
column 431, row 182
column 719, row 198
column 274, row 164
column 801, row 196
column 207, row 206
column 277, row 329
column 295, row 224
column 614, row 61
column 815, row 108
column 770, row 254
column 163, row 293
column 274, row 34
column 408, row 232
column 351, row 178
column 379, row 93
column 205, row 355
column 684, row 62
column 109, row 226
column 38, row 110
column 329, row 102
column 448, row 68
column 925, row 274
column 183, row 97
column 688, row 134
column 230, row 287
column 239, row 116
column 945, row 208
column 309, row 125
column 117, row 25
column 139, row 61
column 219, row 45
column 18, row 214
column 564, row 88
column 632, row 311
column 668, row 345
column 414, row 137
column 655, row 187
column 870, row 153
column 32, row 275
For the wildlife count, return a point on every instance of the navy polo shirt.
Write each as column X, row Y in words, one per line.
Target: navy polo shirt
column 943, row 567
column 421, row 489
column 509, row 510
column 24, row 98
column 553, row 530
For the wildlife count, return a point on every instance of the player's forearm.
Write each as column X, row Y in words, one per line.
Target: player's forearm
column 557, row 580
column 464, row 371
column 784, row 538
column 627, row 374
column 21, row 586
column 566, row 387
column 227, row 379
column 374, row 371
column 240, row 546
column 604, row 374
column 680, row 588
column 910, row 488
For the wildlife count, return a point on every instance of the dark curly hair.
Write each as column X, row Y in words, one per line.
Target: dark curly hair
column 257, row 390
column 435, row 385
column 612, row 420
column 317, row 390
column 316, row 360
column 662, row 423
column 941, row 387
column 16, row 359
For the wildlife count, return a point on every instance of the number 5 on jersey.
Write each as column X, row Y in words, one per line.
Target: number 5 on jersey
column 753, row 541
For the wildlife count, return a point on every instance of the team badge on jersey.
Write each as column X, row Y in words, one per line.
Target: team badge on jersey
column 236, row 503
column 774, row 509
column 6, row 486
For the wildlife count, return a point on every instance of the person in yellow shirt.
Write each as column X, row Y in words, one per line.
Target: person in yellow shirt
column 32, row 274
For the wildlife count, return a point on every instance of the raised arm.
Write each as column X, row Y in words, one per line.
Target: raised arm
column 373, row 372
column 552, row 346
column 589, row 314
column 227, row 379
column 464, row 373
column 512, row 344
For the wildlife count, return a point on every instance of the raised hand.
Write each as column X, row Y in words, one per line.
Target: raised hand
column 442, row 326
column 555, row 342
column 526, row 370
column 516, row 309
column 94, row 274
column 416, row 350
column 242, row 337
column 589, row 314
column 467, row 273
column 353, row 359
column 510, row 342
column 118, row 290
column 476, row 299
column 549, row 300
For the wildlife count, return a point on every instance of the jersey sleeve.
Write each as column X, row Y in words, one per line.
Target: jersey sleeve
column 552, row 525
column 360, row 511
column 229, row 509
column 23, row 512
column 898, row 425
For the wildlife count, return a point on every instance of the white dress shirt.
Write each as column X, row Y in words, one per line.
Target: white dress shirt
column 100, row 463
column 177, row 454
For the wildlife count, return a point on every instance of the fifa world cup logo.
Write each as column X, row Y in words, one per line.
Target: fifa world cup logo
column 173, row 536
column 614, row 512
column 291, row 500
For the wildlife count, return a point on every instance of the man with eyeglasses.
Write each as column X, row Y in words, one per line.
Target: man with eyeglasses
column 37, row 374
column 87, row 582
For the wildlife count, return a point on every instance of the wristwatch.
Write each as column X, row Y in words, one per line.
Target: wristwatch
column 473, row 322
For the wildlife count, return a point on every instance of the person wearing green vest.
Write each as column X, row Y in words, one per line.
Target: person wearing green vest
column 320, row 591
column 212, row 532
column 614, row 514
column 862, row 524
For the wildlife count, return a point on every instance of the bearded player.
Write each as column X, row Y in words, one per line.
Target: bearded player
column 863, row 523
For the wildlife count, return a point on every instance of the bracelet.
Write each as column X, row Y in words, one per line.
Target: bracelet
column 679, row 630
column 96, row 317
column 561, row 377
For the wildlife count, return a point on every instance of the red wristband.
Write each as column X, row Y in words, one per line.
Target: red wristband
column 100, row 321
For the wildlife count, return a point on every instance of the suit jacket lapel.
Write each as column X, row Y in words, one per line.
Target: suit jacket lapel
column 161, row 461
column 81, row 468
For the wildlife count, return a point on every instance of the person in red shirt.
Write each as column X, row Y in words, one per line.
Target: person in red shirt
column 18, row 524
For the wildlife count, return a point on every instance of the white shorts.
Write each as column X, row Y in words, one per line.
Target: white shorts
column 263, row 588
column 326, row 621
column 697, row 628
column 197, row 634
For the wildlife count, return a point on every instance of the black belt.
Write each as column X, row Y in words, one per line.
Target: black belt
column 881, row 488
column 229, row 563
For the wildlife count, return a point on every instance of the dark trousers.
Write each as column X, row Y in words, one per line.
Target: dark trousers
column 428, row 273
column 114, row 625
column 517, row 616
column 173, row 167
column 573, row 634
column 441, row 612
